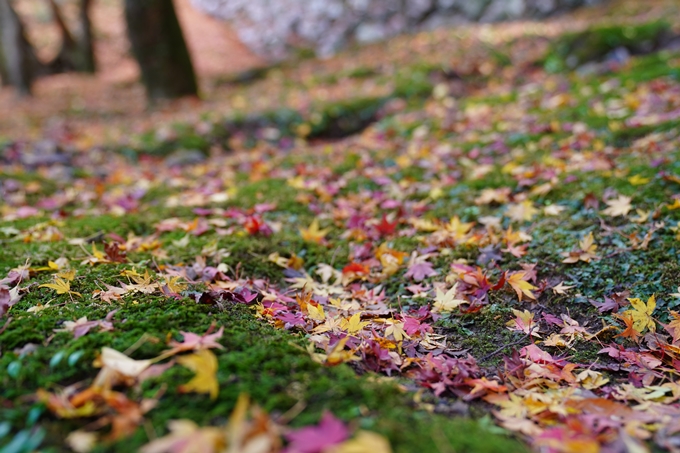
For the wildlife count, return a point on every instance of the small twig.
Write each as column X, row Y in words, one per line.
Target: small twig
column 501, row 349
column 335, row 252
column 143, row 339
column 291, row 413
column 6, row 325
column 617, row 252
column 149, row 429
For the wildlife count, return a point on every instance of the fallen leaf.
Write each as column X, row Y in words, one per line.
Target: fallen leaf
column 363, row 442
column 187, row 437
column 561, row 288
column 517, row 280
column 629, row 332
column 81, row 441
column 314, row 233
column 642, row 314
column 204, row 364
column 447, row 302
column 195, row 342
column 314, row 439
column 524, row 322
column 620, row 206
column 8, row 297
column 61, row 287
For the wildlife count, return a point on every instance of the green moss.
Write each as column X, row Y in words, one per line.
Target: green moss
column 343, row 118
column 574, row 49
column 266, row 363
column 625, row 136
column 484, row 333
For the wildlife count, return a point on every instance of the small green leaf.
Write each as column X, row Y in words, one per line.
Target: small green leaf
column 56, row 358
column 37, row 436
column 18, row 443
column 34, row 414
column 25, row 441
column 5, row 428
column 13, row 369
column 73, row 358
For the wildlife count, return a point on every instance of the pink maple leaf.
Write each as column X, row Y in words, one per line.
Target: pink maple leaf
column 315, row 439
column 420, row 271
column 7, row 299
column 194, row 341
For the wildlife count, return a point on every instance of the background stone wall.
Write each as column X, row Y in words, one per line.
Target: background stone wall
column 272, row 27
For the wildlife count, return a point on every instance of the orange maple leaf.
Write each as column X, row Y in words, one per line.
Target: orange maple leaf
column 673, row 327
column 517, row 280
column 629, row 331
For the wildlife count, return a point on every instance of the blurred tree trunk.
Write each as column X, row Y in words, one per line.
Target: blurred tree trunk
column 77, row 51
column 86, row 39
column 159, row 47
column 4, row 75
column 17, row 58
column 19, row 65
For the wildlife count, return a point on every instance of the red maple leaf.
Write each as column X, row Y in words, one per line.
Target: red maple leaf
column 386, row 228
column 356, row 268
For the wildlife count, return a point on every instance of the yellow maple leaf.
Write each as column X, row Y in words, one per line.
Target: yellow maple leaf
column 524, row 211
column 97, row 257
column 396, row 329
column 354, row 324
column 390, row 259
column 423, row 225
column 618, row 207
column 524, row 322
column 457, row 228
column 587, row 244
column 446, row 302
column 521, row 286
column 61, row 406
column 590, row 379
column 140, row 279
column 67, row 275
column 130, row 273
column 363, row 442
column 98, row 254
column 561, row 288
column 316, row 312
column 638, row 180
column 204, row 364
column 186, row 436
column 335, row 356
column 174, row 285
column 642, row 216
column 511, row 404
column 586, row 252
column 642, row 314
column 61, row 287
column 339, row 355
column 329, row 325
column 313, row 233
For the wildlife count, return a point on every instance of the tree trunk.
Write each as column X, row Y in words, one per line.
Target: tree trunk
column 77, row 51
column 4, row 75
column 17, row 57
column 86, row 40
column 159, row 47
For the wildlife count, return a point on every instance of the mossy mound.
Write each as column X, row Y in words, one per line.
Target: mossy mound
column 595, row 44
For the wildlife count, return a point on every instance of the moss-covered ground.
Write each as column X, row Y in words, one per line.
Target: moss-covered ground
column 488, row 162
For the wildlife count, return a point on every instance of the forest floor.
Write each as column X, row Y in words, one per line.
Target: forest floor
column 462, row 240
